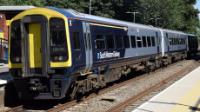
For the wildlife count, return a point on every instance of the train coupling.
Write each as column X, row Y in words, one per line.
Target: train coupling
column 36, row 85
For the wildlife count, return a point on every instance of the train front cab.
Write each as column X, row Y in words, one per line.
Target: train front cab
column 192, row 45
column 39, row 54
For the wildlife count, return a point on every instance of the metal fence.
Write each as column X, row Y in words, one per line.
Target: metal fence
column 3, row 50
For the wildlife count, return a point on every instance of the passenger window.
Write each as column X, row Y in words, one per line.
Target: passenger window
column 139, row 42
column 149, row 41
column 175, row 41
column 183, row 41
column 178, row 41
column 170, row 41
column 144, row 41
column 76, row 40
column 100, row 42
column 153, row 41
column 119, row 42
column 110, row 42
column 126, row 42
column 133, row 42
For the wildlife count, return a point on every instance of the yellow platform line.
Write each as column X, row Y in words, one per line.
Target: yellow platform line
column 190, row 102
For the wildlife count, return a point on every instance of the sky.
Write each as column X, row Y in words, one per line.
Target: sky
column 198, row 6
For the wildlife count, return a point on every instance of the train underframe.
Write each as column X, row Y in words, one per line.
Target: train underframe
column 75, row 85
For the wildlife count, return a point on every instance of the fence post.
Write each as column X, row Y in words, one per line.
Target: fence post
column 1, row 48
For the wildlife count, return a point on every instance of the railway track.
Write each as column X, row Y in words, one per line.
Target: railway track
column 68, row 104
column 61, row 107
column 121, row 107
column 118, row 107
column 16, row 109
column 126, row 103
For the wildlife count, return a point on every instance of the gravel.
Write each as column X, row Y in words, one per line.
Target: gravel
column 105, row 101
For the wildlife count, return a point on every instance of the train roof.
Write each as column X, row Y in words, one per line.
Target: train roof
column 70, row 13
column 73, row 14
column 174, row 31
column 15, row 8
column 191, row 35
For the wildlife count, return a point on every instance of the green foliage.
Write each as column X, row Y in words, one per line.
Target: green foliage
column 171, row 14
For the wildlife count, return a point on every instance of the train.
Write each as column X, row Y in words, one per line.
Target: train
column 56, row 53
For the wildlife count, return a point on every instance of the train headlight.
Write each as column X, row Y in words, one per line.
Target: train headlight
column 17, row 59
column 58, row 58
column 55, row 58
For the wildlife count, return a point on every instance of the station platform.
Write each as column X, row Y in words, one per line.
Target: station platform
column 4, row 76
column 182, row 96
column 3, row 68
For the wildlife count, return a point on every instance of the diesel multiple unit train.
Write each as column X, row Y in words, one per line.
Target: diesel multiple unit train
column 56, row 53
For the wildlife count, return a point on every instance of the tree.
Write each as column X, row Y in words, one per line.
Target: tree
column 170, row 14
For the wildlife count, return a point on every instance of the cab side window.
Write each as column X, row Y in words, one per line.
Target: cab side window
column 76, row 40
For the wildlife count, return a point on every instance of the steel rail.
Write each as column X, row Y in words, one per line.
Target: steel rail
column 120, row 107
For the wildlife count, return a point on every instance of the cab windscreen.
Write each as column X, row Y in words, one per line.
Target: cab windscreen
column 58, row 42
column 15, row 42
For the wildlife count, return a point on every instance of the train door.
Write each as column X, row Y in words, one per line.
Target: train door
column 34, row 35
column 34, row 45
column 167, row 41
column 158, row 42
column 77, row 43
column 88, row 45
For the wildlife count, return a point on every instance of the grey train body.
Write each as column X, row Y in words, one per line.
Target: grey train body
column 103, row 50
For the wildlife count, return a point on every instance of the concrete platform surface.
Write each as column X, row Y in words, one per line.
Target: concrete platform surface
column 4, row 75
column 3, row 82
column 182, row 96
column 4, row 68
